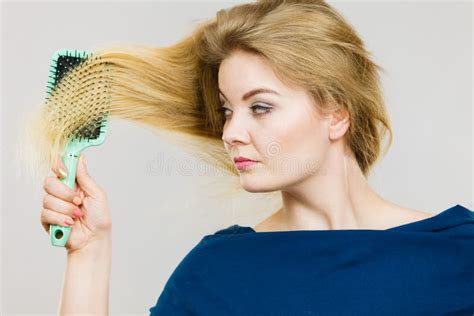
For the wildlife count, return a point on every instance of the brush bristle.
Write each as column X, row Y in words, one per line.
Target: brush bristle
column 77, row 104
column 79, row 101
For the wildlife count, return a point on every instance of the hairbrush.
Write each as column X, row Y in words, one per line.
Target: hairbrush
column 77, row 103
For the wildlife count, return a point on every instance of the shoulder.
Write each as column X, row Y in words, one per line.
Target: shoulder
column 211, row 251
column 411, row 215
column 204, row 248
column 416, row 215
column 232, row 230
column 392, row 215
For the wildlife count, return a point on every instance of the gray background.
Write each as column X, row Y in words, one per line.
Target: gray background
column 160, row 215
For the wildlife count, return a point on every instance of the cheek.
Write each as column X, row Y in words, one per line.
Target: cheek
column 298, row 147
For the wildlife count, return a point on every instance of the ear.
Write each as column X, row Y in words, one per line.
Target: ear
column 340, row 122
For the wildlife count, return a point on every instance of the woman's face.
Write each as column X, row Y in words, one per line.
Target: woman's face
column 281, row 130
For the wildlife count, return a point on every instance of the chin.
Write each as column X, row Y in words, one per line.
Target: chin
column 254, row 185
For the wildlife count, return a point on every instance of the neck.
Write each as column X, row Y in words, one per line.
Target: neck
column 338, row 196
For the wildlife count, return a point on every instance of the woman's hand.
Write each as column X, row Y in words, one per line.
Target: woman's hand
column 86, row 206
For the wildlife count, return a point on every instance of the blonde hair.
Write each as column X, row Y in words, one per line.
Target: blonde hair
column 175, row 89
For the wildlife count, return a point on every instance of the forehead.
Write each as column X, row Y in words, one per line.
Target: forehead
column 243, row 71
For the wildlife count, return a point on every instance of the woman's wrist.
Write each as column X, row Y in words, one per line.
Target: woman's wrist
column 95, row 248
column 86, row 280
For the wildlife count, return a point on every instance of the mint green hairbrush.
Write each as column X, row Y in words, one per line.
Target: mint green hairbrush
column 78, row 103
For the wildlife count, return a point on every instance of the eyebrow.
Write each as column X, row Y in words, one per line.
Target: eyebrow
column 252, row 93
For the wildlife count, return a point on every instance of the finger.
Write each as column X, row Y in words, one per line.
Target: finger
column 59, row 168
column 81, row 195
column 56, row 204
column 85, row 181
column 49, row 217
column 55, row 187
column 78, row 190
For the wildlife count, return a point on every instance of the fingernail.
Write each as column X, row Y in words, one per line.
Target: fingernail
column 77, row 213
column 76, row 200
column 62, row 172
column 69, row 222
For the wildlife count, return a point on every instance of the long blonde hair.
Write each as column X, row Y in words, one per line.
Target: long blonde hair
column 175, row 89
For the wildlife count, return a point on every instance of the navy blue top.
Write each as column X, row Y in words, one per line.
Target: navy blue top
column 420, row 268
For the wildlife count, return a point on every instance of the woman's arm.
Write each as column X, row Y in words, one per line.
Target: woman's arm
column 86, row 280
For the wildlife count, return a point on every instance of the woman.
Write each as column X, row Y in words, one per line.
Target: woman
column 290, row 86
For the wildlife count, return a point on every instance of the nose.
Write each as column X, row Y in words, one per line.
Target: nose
column 235, row 131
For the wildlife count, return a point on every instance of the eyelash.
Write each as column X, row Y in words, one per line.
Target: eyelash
column 267, row 109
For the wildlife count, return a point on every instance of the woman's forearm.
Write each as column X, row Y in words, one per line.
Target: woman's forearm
column 86, row 280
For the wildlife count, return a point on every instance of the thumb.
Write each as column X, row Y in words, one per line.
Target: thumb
column 84, row 180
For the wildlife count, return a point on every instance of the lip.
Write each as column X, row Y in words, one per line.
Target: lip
column 241, row 159
column 242, row 165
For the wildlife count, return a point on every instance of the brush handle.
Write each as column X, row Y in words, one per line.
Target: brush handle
column 60, row 234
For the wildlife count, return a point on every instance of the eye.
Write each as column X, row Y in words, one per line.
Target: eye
column 258, row 109
column 222, row 110
column 264, row 108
